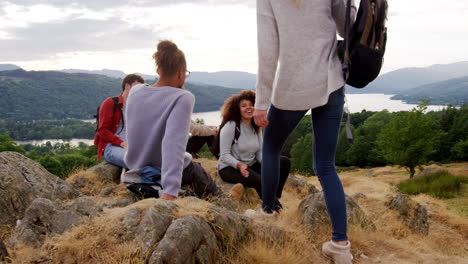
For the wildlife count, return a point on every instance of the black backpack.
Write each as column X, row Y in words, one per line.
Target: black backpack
column 363, row 47
column 215, row 147
column 116, row 107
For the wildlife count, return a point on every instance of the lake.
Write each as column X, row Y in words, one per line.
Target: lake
column 355, row 103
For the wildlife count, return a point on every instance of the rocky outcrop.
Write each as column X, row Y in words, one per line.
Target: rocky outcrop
column 154, row 224
column 107, row 172
column 300, row 185
column 412, row 213
column 45, row 217
column 314, row 212
column 22, row 181
column 229, row 227
column 188, row 240
column 429, row 170
column 3, row 251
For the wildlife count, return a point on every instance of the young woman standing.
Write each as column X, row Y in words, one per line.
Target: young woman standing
column 299, row 69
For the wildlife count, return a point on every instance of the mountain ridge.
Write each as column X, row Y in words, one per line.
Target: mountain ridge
column 38, row 95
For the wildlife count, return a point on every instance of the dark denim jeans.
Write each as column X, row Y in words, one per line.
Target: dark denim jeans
column 326, row 121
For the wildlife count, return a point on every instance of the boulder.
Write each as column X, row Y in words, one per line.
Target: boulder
column 154, row 224
column 3, row 251
column 226, row 202
column 314, row 214
column 269, row 232
column 107, row 172
column 22, row 181
column 412, row 213
column 430, row 170
column 45, row 217
column 229, row 227
column 188, row 240
column 300, row 185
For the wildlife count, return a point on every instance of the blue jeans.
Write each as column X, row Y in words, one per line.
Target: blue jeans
column 326, row 122
column 115, row 155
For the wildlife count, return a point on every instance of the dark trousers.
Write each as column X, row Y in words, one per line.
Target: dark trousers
column 232, row 175
column 197, row 179
column 194, row 144
column 326, row 121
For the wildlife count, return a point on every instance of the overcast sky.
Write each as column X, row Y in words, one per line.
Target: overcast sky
column 216, row 35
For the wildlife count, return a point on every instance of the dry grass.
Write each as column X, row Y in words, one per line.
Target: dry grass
column 94, row 183
column 102, row 240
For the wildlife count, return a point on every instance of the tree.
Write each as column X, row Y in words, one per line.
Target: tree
column 408, row 139
column 301, row 155
column 7, row 144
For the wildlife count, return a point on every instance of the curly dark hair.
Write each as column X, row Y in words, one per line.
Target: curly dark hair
column 230, row 111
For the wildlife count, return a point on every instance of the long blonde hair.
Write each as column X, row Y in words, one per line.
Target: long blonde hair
column 298, row 2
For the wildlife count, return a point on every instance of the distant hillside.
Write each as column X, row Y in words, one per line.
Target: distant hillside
column 233, row 79
column 35, row 95
column 453, row 91
column 398, row 81
column 8, row 67
column 105, row 72
column 108, row 73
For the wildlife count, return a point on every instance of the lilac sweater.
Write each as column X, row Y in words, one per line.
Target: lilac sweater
column 158, row 121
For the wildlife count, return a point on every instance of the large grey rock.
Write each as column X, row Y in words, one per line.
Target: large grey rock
column 412, row 213
column 226, row 202
column 269, row 232
column 429, row 170
column 300, row 185
column 188, row 240
column 230, row 227
column 3, row 251
column 154, row 224
column 314, row 212
column 107, row 172
column 22, row 181
column 45, row 217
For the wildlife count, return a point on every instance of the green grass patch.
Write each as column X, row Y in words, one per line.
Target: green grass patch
column 459, row 204
column 439, row 184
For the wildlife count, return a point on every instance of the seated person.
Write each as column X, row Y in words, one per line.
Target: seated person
column 158, row 126
column 110, row 134
column 201, row 134
column 240, row 154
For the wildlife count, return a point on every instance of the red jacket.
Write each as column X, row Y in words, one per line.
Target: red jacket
column 108, row 124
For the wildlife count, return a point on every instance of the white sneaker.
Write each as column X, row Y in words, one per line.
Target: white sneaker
column 259, row 214
column 339, row 254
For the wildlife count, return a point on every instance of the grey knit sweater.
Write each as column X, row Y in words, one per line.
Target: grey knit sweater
column 157, row 121
column 247, row 149
column 298, row 64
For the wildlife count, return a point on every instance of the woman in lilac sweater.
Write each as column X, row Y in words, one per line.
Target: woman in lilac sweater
column 158, row 121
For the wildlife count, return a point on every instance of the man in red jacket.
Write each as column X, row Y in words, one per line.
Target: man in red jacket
column 111, row 133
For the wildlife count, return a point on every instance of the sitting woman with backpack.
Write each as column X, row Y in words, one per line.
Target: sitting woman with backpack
column 240, row 141
column 158, row 121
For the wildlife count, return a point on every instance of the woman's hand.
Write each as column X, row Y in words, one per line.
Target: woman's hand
column 168, row 197
column 124, row 145
column 243, row 169
column 260, row 117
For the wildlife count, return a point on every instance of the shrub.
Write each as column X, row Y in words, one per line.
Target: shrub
column 439, row 184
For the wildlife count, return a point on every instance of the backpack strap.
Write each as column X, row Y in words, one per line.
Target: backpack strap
column 116, row 107
column 346, row 61
column 236, row 132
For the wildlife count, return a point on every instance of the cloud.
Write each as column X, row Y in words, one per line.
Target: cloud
column 42, row 40
column 105, row 4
